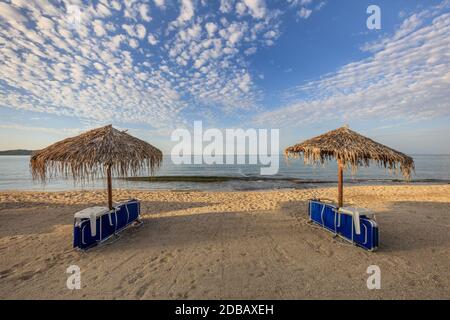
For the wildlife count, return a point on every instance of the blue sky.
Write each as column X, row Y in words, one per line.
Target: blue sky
column 303, row 66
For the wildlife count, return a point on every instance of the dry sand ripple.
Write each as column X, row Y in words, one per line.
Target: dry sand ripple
column 227, row 245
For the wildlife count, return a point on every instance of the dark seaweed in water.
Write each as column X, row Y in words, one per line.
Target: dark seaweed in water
column 207, row 179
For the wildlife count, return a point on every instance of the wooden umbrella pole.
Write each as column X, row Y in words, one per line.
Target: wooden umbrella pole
column 108, row 173
column 340, row 184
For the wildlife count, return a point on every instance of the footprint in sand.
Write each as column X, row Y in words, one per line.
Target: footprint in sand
column 5, row 273
column 26, row 276
column 412, row 283
column 136, row 277
column 260, row 275
column 142, row 290
column 181, row 295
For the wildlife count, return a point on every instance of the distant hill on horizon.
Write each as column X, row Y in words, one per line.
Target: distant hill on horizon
column 16, row 152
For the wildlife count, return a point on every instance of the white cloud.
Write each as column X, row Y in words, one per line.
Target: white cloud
column 304, row 13
column 235, row 32
column 115, row 42
column 136, row 31
column 241, row 8
column 141, row 31
column 102, row 11
column 250, row 51
column 257, row 8
column 152, row 39
column 160, row 4
column 320, row 5
column 45, row 23
column 144, row 11
column 245, row 82
column 98, row 28
column 271, row 34
column 129, row 29
column 211, row 28
column 98, row 66
column 10, row 13
column 116, row 5
column 306, row 7
column 226, row 6
column 186, row 11
column 58, row 131
column 409, row 25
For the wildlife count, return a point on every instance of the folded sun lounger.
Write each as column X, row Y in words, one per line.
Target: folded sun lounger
column 356, row 225
column 96, row 224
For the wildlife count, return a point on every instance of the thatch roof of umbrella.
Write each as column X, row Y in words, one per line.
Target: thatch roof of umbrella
column 352, row 150
column 96, row 153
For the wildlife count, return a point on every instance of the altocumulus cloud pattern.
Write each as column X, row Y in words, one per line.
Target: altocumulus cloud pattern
column 133, row 61
column 164, row 63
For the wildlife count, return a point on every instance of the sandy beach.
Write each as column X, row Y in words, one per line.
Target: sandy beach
column 227, row 245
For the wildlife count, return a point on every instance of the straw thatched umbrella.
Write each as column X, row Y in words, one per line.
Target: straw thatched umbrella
column 95, row 153
column 351, row 150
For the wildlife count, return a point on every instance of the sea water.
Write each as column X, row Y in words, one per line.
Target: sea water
column 15, row 175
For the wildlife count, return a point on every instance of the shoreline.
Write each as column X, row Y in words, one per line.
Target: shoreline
column 297, row 184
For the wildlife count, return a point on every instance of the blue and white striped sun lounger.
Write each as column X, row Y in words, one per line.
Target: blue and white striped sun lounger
column 97, row 224
column 355, row 225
